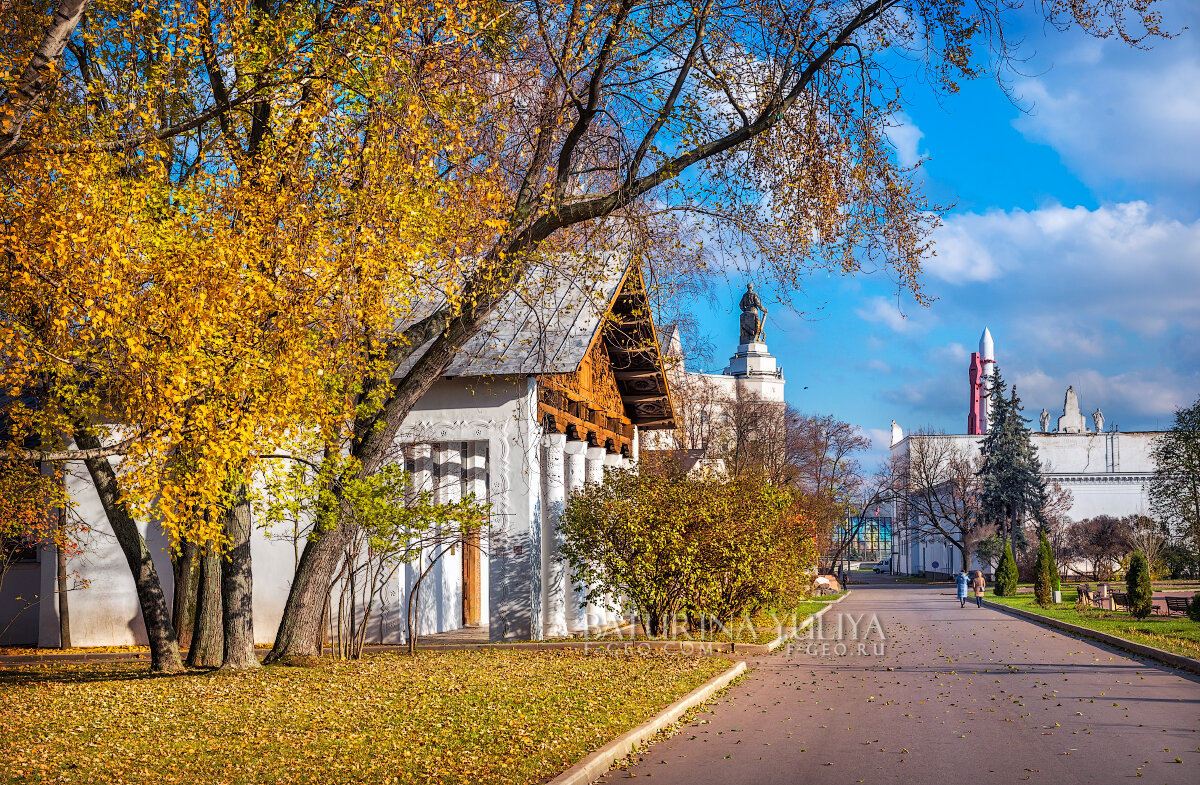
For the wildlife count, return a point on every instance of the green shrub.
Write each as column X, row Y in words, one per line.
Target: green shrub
column 1006, row 574
column 1044, row 572
column 1194, row 608
column 1137, row 583
column 679, row 543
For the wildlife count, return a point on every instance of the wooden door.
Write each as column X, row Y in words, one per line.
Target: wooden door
column 471, row 597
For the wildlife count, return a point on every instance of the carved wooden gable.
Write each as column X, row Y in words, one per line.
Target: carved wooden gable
column 620, row 381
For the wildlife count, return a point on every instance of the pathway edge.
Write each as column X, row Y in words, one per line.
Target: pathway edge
column 595, row 764
column 1165, row 657
column 782, row 639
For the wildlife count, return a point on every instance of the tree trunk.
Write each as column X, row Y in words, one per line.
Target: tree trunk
column 208, row 640
column 164, row 650
column 237, row 587
column 184, row 608
column 302, row 615
column 64, row 615
column 18, row 102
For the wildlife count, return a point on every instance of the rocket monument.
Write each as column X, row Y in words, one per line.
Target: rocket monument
column 980, row 373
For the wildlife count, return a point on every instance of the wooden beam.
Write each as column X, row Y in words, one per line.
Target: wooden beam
column 655, row 425
column 644, row 398
column 626, row 376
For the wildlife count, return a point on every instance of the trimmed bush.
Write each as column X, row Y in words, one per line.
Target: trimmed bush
column 1044, row 572
column 1137, row 583
column 1194, row 608
column 1006, row 574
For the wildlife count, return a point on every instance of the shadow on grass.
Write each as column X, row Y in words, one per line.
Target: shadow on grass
column 87, row 673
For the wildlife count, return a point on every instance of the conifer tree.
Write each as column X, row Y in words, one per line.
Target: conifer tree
column 1137, row 583
column 1044, row 572
column 1006, row 573
column 1011, row 474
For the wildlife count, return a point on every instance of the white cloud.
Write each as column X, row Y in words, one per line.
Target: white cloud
column 1070, row 270
column 906, row 137
column 887, row 311
column 1117, row 113
column 1140, row 392
column 952, row 354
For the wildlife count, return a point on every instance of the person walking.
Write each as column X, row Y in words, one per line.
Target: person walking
column 978, row 584
column 963, row 582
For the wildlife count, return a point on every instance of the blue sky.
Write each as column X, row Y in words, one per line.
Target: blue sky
column 1074, row 236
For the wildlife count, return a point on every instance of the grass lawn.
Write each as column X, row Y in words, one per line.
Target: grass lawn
column 442, row 717
column 1176, row 634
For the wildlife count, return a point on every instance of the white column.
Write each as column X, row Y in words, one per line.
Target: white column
column 449, row 490
column 574, row 474
column 594, row 472
column 554, row 601
column 427, row 603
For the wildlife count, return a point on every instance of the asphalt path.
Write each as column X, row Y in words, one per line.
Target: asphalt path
column 947, row 695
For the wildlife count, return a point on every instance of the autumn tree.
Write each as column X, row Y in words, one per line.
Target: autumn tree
column 941, row 500
column 212, row 225
column 1175, row 486
column 1101, row 541
column 675, row 543
column 581, row 119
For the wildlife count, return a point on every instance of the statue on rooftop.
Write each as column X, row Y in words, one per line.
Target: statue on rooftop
column 1044, row 420
column 1098, row 420
column 751, row 323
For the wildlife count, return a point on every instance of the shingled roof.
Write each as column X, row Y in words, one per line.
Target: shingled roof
column 548, row 324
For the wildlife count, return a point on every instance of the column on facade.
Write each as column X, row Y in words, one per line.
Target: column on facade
column 612, row 460
column 575, row 474
column 427, row 600
column 594, row 472
column 449, row 491
column 554, row 601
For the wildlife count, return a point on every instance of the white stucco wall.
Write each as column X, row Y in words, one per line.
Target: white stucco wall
column 1107, row 474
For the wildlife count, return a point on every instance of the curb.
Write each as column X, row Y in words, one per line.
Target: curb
column 1165, row 657
column 782, row 639
column 595, row 764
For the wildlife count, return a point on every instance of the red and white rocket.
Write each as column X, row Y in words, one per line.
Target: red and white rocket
column 982, row 368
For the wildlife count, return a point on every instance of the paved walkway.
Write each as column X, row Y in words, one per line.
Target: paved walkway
column 958, row 695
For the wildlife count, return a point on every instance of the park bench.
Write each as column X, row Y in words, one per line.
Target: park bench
column 1177, row 605
column 1087, row 595
column 1121, row 599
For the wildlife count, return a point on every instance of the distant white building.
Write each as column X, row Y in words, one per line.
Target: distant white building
column 1107, row 472
column 703, row 400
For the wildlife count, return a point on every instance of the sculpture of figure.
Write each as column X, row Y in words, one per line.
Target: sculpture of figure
column 1098, row 420
column 897, row 434
column 1072, row 420
column 1044, row 420
column 751, row 323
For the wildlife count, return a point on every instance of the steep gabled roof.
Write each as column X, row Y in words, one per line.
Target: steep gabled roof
column 548, row 324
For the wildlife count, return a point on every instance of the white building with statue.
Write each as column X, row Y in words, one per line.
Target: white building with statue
column 708, row 405
column 1106, row 471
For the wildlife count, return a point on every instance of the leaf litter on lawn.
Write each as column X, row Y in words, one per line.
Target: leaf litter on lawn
column 499, row 716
